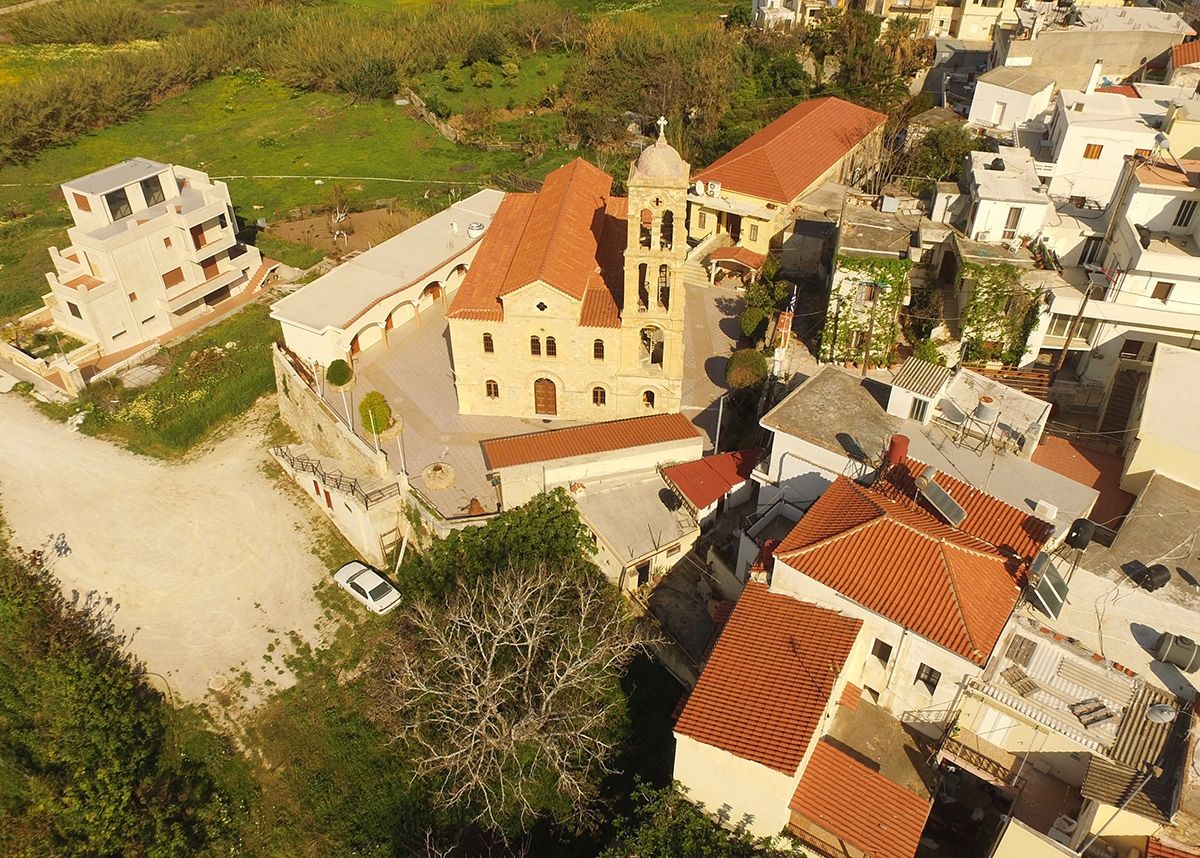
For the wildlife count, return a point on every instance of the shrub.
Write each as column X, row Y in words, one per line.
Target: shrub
column 375, row 78
column 339, row 373
column 510, row 70
column 482, row 74
column 376, row 414
column 453, row 77
column 96, row 22
column 752, row 322
column 927, row 350
column 489, row 46
column 746, row 368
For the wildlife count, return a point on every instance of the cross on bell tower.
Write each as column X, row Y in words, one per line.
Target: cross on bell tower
column 662, row 127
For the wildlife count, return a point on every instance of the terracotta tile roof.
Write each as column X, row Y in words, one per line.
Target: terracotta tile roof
column 769, row 679
column 705, row 481
column 1156, row 848
column 1125, row 90
column 783, row 160
column 569, row 235
column 742, row 255
column 851, row 696
column 591, row 438
column 898, row 561
column 859, row 805
column 1185, row 54
column 990, row 519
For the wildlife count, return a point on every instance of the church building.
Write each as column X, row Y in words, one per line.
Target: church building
column 573, row 307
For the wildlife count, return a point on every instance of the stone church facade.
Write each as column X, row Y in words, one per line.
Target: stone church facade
column 574, row 306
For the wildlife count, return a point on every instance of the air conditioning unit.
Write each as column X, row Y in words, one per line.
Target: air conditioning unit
column 714, row 189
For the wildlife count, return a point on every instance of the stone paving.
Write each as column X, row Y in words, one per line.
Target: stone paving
column 414, row 372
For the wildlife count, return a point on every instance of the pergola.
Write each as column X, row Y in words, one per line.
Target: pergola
column 736, row 259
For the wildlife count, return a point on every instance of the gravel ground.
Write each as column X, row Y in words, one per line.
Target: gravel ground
column 207, row 560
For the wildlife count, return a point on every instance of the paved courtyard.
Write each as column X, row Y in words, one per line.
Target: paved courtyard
column 413, row 371
column 206, row 560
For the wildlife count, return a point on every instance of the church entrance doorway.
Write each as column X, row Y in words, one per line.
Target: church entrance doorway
column 545, row 397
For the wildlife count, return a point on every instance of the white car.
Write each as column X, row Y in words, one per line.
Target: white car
column 368, row 586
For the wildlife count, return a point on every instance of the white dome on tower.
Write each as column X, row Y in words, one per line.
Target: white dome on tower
column 660, row 160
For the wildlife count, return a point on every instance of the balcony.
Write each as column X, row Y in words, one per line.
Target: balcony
column 192, row 294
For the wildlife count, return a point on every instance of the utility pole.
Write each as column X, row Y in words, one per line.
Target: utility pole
column 870, row 330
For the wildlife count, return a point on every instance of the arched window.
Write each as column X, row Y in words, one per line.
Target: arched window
column 643, row 287
column 648, row 398
column 598, row 349
column 666, row 230
column 664, row 288
column 535, row 346
column 551, row 347
column 488, row 346
column 493, row 389
column 647, row 221
column 652, row 346
column 598, row 396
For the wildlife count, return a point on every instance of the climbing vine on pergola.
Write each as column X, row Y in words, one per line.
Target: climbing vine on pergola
column 891, row 277
column 999, row 314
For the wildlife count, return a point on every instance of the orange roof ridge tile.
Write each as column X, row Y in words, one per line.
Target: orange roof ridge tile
column 769, row 679
column 899, row 561
column 859, row 805
column 589, row 438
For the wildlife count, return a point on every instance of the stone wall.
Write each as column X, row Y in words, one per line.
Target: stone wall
column 319, row 425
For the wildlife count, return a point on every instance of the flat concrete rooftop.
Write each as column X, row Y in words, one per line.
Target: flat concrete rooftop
column 630, row 514
column 844, row 414
column 881, row 742
column 336, row 298
column 116, row 176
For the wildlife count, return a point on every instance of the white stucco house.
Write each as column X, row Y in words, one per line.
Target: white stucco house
column 1006, row 98
column 153, row 247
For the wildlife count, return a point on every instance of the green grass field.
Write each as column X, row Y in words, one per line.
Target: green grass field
column 243, row 126
column 538, row 73
column 665, row 10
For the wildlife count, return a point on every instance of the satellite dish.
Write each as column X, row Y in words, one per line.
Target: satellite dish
column 699, row 188
column 1160, row 713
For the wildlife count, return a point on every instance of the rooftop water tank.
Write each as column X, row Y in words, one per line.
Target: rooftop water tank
column 985, row 410
column 1182, row 652
column 1080, row 534
column 897, row 449
column 474, row 229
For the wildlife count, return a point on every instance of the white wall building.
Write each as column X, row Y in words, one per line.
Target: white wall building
column 354, row 306
column 153, row 246
column 1147, row 292
column 1089, row 137
column 1008, row 200
column 1007, row 97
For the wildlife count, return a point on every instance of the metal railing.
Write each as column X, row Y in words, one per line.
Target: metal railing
column 342, row 483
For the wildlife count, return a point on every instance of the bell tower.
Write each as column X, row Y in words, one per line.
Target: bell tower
column 655, row 251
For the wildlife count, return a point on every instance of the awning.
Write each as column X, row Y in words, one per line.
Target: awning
column 1050, row 594
column 743, row 256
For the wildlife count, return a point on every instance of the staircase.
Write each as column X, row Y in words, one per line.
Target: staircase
column 367, row 490
column 1120, row 402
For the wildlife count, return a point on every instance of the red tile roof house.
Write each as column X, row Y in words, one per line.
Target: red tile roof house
column 765, row 740
column 749, row 194
column 713, row 483
column 934, row 600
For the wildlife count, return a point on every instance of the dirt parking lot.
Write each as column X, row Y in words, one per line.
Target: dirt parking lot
column 207, row 560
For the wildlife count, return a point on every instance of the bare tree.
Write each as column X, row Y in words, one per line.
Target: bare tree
column 508, row 696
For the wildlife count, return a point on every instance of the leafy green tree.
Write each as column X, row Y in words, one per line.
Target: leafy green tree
column 338, row 373
column 545, row 530
column 941, row 152
column 753, row 321
column 746, row 368
column 927, row 350
column 490, row 47
column 86, row 767
column 374, row 412
column 666, row 825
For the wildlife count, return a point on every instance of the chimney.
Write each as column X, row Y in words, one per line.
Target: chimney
column 1094, row 80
